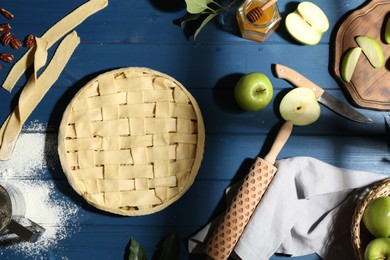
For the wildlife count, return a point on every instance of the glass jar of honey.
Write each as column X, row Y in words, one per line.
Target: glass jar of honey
column 266, row 21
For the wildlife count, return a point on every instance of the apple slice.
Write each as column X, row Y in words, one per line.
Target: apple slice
column 349, row 62
column 372, row 50
column 307, row 24
column 387, row 31
column 300, row 106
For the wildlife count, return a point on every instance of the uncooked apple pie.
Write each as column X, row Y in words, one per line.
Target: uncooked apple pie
column 131, row 141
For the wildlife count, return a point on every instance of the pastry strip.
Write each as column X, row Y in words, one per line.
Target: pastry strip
column 34, row 90
column 61, row 28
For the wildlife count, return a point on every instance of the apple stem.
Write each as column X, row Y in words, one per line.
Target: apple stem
column 258, row 91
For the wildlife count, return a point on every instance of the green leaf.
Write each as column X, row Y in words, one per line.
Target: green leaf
column 205, row 21
column 198, row 6
column 136, row 251
column 171, row 248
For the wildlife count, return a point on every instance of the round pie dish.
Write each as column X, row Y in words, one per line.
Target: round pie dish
column 131, row 141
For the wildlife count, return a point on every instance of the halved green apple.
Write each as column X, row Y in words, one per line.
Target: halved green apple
column 307, row 24
column 349, row 62
column 300, row 106
column 372, row 50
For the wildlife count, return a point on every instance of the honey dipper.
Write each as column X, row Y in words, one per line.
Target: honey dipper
column 255, row 14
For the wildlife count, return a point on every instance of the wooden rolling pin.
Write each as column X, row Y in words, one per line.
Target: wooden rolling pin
column 225, row 236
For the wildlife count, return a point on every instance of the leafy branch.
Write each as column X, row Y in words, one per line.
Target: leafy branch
column 203, row 9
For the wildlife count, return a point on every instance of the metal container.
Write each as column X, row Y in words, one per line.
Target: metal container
column 12, row 215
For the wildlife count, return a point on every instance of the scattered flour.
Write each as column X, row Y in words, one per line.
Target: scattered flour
column 25, row 170
column 28, row 159
column 35, row 126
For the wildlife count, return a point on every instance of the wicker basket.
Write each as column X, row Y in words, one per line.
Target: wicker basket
column 360, row 235
column 131, row 141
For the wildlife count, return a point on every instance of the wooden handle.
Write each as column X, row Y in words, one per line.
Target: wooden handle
column 226, row 235
column 281, row 139
column 268, row 4
column 297, row 79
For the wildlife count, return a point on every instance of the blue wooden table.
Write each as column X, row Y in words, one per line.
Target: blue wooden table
column 143, row 33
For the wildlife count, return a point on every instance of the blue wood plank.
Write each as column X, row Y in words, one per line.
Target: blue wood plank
column 135, row 21
column 221, row 114
column 92, row 242
column 220, row 64
column 227, row 155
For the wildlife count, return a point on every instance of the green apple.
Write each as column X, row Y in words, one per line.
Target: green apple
column 349, row 62
column 376, row 217
column 387, row 31
column 378, row 249
column 300, row 106
column 307, row 24
column 372, row 50
column 253, row 91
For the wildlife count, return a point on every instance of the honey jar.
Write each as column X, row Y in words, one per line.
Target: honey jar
column 264, row 26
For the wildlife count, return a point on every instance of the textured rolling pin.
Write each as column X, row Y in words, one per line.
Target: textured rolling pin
column 225, row 236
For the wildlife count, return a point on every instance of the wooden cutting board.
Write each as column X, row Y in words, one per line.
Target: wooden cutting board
column 369, row 87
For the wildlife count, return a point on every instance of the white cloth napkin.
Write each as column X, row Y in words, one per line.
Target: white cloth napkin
column 307, row 208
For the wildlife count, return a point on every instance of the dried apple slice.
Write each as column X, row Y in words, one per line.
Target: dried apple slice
column 349, row 62
column 372, row 50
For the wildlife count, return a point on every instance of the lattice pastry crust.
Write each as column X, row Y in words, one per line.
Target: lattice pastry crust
column 131, row 141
